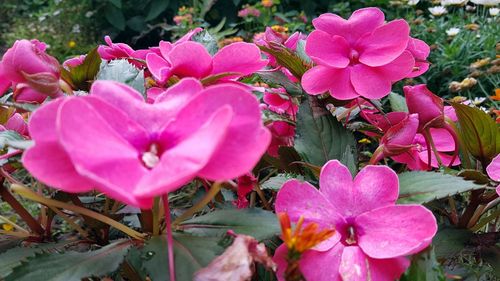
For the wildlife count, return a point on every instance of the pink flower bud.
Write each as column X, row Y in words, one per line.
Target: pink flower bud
column 428, row 106
column 25, row 94
column 399, row 138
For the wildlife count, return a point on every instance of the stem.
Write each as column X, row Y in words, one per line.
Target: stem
column 486, row 220
column 147, row 220
column 430, row 144
column 20, row 210
column 465, row 153
column 377, row 155
column 262, row 197
column 471, row 208
column 453, row 134
column 170, row 240
column 156, row 216
column 200, row 204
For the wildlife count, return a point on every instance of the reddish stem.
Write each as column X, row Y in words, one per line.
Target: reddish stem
column 170, row 240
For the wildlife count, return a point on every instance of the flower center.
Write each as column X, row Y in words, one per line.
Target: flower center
column 354, row 57
column 150, row 158
column 351, row 235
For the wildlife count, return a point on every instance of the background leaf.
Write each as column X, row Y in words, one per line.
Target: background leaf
column 449, row 241
column 320, row 137
column 124, row 72
column 422, row 187
column 479, row 132
column 257, row 223
column 115, row 17
column 278, row 77
column 424, row 267
column 156, row 8
column 71, row 266
column 82, row 75
column 398, row 102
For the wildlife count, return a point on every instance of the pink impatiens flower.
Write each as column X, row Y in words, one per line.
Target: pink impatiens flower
column 493, row 171
column 373, row 235
column 361, row 56
column 279, row 101
column 115, row 142
column 191, row 59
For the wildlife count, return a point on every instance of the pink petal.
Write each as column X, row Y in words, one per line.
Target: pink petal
column 412, row 159
column 5, row 83
column 369, row 82
column 385, row 44
column 188, row 35
column 165, row 47
column 445, row 159
column 190, row 59
column 418, row 48
column 302, row 199
column 320, row 79
column 322, row 266
column 395, row 231
column 230, row 59
column 159, row 67
column 16, row 123
column 442, row 140
column 280, row 259
column 373, row 187
column 106, row 158
column 493, row 169
column 178, row 95
column 247, row 138
column 387, row 269
column 179, row 164
column 39, row 161
column 42, row 124
column 326, row 49
column 419, row 69
column 353, row 265
column 399, row 68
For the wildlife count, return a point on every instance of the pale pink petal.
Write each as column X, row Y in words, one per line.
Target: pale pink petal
column 369, row 82
column 159, row 67
column 326, row 49
column 395, row 231
column 190, row 59
column 39, row 160
column 302, row 199
column 385, row 44
column 373, row 187
column 398, row 68
column 493, row 169
column 353, row 265
column 322, row 266
column 106, row 158
column 243, row 58
column 180, row 164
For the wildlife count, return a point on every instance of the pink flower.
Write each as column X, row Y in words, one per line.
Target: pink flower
column 132, row 150
column 361, row 56
column 493, row 171
column 280, row 102
column 249, row 11
column 282, row 133
column 16, row 123
column 246, row 184
column 399, row 137
column 74, row 62
column 427, row 105
column 27, row 67
column 191, row 59
column 373, row 235
column 420, row 51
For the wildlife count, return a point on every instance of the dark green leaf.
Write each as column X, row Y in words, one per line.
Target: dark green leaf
column 278, row 77
column 424, row 267
column 117, row 3
column 83, row 74
column 71, row 265
column 115, row 17
column 157, row 7
column 320, row 137
column 422, row 187
column 286, row 58
column 398, row 102
column 191, row 253
column 124, row 72
column 275, row 183
column 492, row 256
column 254, row 222
column 479, row 132
column 137, row 23
column 449, row 242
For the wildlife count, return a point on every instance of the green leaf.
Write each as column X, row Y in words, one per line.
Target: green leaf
column 286, row 58
column 301, row 51
column 275, row 183
column 449, row 241
column 398, row 102
column 157, row 7
column 254, row 222
column 115, row 17
column 320, row 137
column 278, row 77
column 207, row 40
column 124, row 72
column 71, row 265
column 82, row 75
column 9, row 136
column 424, row 267
column 137, row 23
column 479, row 132
column 117, row 3
column 422, row 187
column 191, row 253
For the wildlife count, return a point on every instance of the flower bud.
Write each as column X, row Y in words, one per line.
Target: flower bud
column 428, row 106
column 399, row 138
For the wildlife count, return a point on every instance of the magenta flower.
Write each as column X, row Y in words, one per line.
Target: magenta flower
column 420, row 51
column 132, row 151
column 16, row 123
column 282, row 133
column 279, row 101
column 361, row 56
column 74, row 62
column 427, row 105
column 493, row 171
column 27, row 68
column 191, row 59
column 373, row 235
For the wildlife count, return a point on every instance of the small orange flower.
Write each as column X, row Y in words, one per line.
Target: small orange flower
column 302, row 239
column 497, row 95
